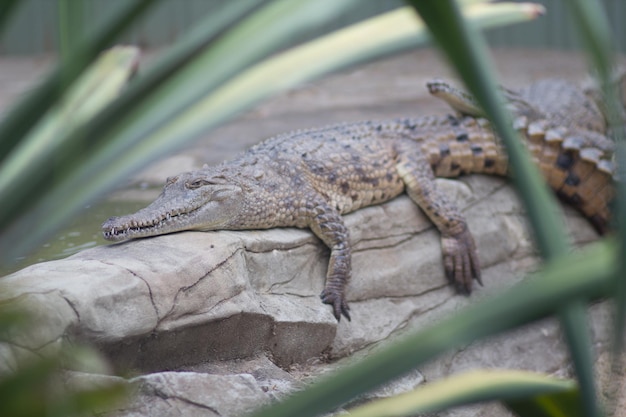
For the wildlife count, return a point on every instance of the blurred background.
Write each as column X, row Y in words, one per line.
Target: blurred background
column 33, row 30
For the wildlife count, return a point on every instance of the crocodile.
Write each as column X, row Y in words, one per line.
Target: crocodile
column 310, row 178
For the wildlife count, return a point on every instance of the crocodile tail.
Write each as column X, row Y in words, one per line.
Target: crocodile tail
column 580, row 172
column 466, row 146
column 576, row 165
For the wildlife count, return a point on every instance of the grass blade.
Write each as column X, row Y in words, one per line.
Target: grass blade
column 7, row 8
column 577, row 332
column 70, row 26
column 37, row 156
column 468, row 53
column 19, row 120
column 549, row 405
column 467, row 388
column 39, row 165
column 591, row 18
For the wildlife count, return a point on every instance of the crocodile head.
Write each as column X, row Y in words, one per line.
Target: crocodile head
column 197, row 200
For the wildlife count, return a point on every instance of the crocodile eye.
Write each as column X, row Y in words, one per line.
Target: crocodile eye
column 171, row 180
column 197, row 184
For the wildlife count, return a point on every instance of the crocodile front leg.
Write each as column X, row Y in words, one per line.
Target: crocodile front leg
column 460, row 258
column 328, row 225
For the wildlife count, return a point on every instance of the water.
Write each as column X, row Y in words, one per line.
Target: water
column 82, row 233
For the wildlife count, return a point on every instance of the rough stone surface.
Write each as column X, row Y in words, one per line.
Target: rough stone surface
column 191, row 393
column 220, row 323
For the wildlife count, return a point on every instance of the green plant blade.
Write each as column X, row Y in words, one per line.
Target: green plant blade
column 584, row 275
column 36, row 387
column 591, row 18
column 85, row 402
column 7, row 8
column 36, row 162
column 467, row 388
column 181, row 53
column 23, row 393
column 562, row 404
column 98, row 86
column 467, row 51
column 26, row 114
column 595, row 32
column 71, row 17
column 42, row 169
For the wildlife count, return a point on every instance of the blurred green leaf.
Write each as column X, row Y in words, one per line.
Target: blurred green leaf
column 26, row 113
column 37, row 388
column 591, row 19
column 38, row 385
column 595, row 31
column 520, row 387
column 7, row 8
column 70, row 26
column 11, row 319
column 467, row 51
column 574, row 321
column 97, row 87
column 560, row 404
column 87, row 401
column 24, row 392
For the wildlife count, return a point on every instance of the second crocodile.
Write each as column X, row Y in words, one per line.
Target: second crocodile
column 310, row 178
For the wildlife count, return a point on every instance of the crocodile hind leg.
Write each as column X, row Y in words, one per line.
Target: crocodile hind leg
column 327, row 224
column 460, row 257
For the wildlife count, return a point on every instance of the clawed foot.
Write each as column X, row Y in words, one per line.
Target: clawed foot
column 460, row 260
column 338, row 301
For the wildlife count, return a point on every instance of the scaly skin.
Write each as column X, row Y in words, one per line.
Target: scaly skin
column 310, row 178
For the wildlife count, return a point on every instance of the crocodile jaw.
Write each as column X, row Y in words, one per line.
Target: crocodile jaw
column 146, row 223
column 190, row 201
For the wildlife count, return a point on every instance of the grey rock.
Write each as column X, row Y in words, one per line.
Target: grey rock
column 194, row 394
